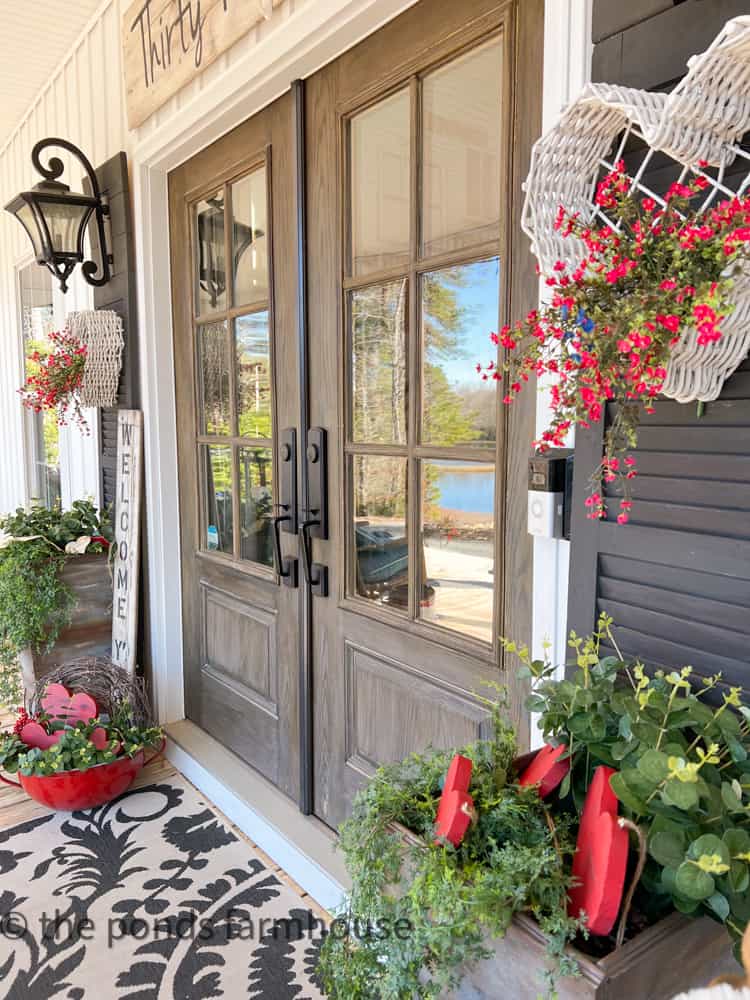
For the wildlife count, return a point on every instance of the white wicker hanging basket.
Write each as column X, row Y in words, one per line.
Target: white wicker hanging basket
column 100, row 330
column 701, row 121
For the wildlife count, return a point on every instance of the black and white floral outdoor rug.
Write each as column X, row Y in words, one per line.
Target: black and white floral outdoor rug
column 148, row 898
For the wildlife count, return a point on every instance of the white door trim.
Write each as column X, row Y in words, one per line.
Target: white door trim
column 567, row 68
column 307, row 40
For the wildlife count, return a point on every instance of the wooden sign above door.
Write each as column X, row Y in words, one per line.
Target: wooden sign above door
column 166, row 43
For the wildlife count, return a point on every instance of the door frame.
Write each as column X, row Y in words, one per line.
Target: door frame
column 309, row 38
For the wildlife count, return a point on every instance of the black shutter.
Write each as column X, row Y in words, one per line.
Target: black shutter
column 676, row 579
column 119, row 294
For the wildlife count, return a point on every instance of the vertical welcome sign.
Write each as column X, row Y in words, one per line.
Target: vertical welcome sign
column 126, row 563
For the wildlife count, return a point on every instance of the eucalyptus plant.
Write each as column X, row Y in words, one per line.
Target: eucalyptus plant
column 681, row 747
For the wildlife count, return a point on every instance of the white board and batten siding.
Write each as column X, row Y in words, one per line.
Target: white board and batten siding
column 83, row 101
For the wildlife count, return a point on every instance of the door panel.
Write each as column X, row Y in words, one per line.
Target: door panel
column 413, row 259
column 234, row 286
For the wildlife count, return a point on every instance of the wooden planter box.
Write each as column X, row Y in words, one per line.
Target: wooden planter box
column 90, row 630
column 672, row 956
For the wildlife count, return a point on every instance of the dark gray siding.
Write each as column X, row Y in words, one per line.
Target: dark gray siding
column 677, row 578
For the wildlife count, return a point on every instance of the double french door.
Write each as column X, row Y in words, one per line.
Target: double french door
column 411, row 540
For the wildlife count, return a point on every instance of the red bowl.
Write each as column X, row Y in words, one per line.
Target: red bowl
column 70, row 790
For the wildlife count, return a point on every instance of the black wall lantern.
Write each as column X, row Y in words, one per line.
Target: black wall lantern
column 56, row 218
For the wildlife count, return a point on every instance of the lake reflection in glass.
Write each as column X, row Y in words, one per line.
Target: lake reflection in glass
column 380, row 538
column 459, row 312
column 458, row 545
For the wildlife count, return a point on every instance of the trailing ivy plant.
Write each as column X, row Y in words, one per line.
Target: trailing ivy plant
column 35, row 604
column 419, row 911
column 681, row 747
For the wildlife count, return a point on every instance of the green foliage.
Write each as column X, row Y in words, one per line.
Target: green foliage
column 683, row 768
column 74, row 751
column 419, row 911
column 35, row 605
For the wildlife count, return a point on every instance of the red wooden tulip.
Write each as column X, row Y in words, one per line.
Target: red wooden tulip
column 58, row 703
column 546, row 770
column 456, row 807
column 601, row 857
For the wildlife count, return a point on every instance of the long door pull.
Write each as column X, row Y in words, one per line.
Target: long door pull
column 316, row 574
column 286, row 566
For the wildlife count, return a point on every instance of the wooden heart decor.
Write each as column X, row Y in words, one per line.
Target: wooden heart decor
column 58, row 703
column 601, row 857
column 34, row 735
column 546, row 770
column 456, row 809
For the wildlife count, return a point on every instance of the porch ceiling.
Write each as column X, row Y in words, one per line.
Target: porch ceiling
column 36, row 38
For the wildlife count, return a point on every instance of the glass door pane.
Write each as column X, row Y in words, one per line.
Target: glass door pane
column 211, row 286
column 459, row 307
column 250, row 238
column 380, row 177
column 458, row 546
column 462, row 141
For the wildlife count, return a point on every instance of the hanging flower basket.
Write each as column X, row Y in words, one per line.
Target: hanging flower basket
column 698, row 127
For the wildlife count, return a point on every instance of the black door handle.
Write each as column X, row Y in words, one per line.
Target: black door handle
column 316, row 574
column 286, row 566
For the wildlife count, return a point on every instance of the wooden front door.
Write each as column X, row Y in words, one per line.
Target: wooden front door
column 418, row 139
column 233, row 278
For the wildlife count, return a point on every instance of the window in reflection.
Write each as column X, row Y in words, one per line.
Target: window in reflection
column 256, row 504
column 217, row 464
column 458, row 543
column 459, row 311
column 378, row 372
column 214, row 376
column 253, row 359
column 42, row 430
column 382, row 551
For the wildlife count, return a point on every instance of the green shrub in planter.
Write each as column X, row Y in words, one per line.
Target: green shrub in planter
column 35, row 604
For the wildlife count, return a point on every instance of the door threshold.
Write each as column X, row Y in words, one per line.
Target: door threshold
column 302, row 845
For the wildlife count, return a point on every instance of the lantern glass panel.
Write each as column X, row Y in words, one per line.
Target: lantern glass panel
column 64, row 222
column 25, row 215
